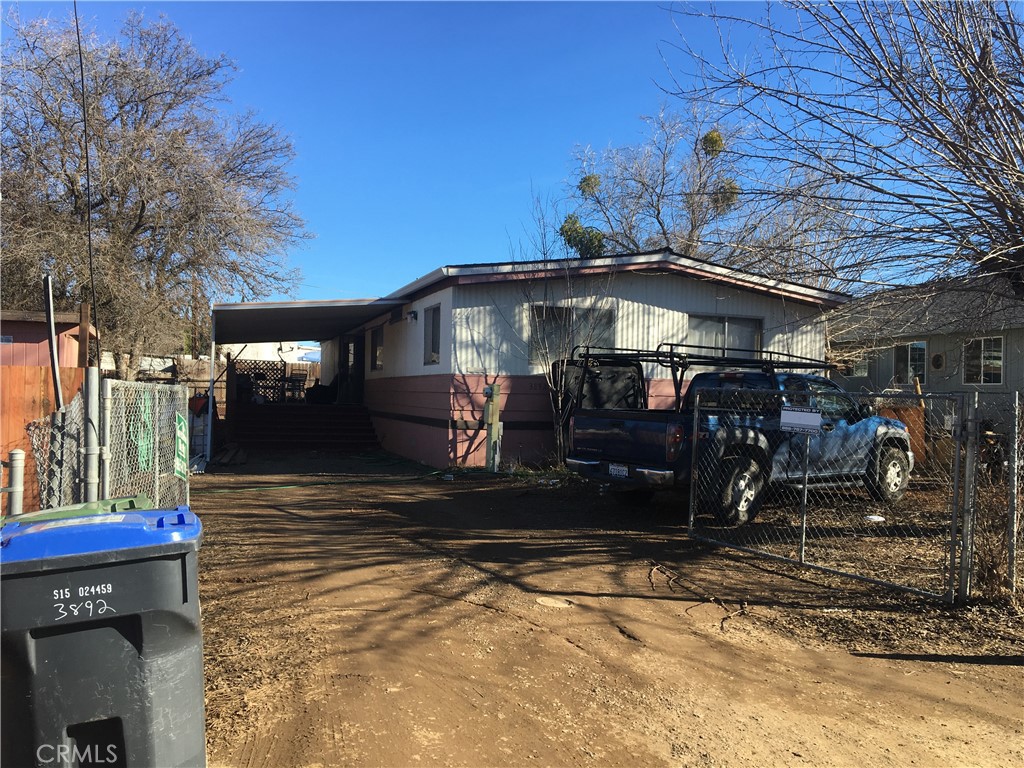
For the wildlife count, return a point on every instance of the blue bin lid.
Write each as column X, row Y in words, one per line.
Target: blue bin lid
column 125, row 535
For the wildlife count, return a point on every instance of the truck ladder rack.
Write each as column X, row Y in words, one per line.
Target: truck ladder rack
column 678, row 358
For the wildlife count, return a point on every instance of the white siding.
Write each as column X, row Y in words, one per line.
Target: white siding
column 490, row 322
column 403, row 341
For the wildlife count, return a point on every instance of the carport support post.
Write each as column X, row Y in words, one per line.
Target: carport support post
column 213, row 380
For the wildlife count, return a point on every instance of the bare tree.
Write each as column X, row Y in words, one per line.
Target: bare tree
column 913, row 109
column 691, row 186
column 566, row 308
column 188, row 202
column 666, row 191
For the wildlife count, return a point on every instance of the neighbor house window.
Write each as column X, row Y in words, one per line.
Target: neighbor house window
column 910, row 361
column 983, row 361
column 377, row 349
column 858, row 366
column 556, row 331
column 718, row 332
column 432, row 335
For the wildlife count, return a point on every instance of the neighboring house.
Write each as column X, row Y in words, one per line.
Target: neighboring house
column 951, row 336
column 25, row 338
column 427, row 355
column 287, row 352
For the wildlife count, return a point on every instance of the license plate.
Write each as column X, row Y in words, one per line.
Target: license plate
column 618, row 470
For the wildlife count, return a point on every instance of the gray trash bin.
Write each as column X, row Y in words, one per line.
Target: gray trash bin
column 101, row 657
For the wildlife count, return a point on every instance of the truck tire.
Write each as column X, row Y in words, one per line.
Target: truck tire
column 888, row 475
column 741, row 492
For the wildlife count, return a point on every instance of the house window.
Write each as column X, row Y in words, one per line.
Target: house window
column 983, row 361
column 858, row 366
column 432, row 335
column 718, row 332
column 556, row 331
column 377, row 349
column 910, row 361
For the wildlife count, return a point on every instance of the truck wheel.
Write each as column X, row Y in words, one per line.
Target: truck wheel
column 634, row 497
column 742, row 489
column 889, row 475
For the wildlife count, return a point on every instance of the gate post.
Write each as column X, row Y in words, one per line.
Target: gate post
column 92, row 434
column 967, row 508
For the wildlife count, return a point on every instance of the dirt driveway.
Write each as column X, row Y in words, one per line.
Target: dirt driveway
column 382, row 616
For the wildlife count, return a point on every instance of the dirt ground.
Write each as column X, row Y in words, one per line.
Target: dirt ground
column 369, row 612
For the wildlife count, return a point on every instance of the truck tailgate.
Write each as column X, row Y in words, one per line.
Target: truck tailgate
column 636, row 437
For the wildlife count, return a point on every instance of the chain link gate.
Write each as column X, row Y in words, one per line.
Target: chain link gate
column 996, row 572
column 139, row 435
column 138, row 442
column 824, row 480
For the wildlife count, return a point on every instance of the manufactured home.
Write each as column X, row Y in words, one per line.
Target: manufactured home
column 418, row 360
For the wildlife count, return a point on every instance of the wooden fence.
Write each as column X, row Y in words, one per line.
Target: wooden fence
column 26, row 394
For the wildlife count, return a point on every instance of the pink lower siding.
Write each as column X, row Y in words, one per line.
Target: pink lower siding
column 438, row 420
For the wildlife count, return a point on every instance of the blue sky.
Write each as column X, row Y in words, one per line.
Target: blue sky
column 423, row 130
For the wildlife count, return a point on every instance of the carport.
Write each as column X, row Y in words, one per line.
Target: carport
column 321, row 321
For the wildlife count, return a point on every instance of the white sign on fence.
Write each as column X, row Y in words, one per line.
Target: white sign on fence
column 180, row 446
column 805, row 421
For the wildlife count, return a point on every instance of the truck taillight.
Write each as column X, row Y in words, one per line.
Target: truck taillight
column 673, row 442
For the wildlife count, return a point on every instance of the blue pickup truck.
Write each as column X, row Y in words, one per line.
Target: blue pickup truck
column 742, row 447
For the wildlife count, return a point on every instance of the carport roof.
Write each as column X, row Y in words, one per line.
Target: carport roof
column 249, row 323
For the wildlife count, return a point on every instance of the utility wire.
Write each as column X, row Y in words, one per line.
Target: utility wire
column 88, row 187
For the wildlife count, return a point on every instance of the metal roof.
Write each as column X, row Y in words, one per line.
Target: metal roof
column 322, row 320
column 662, row 258
column 294, row 320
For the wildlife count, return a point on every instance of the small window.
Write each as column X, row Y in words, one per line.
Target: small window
column 910, row 361
column 858, row 366
column 432, row 335
column 983, row 361
column 6, row 339
column 377, row 349
column 556, row 331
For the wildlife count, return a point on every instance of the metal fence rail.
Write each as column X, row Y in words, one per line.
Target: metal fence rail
column 137, row 445
column 839, row 496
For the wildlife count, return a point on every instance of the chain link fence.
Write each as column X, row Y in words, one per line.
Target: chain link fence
column 997, row 532
column 139, row 428
column 138, row 442
column 829, row 479
column 58, row 445
column 1015, row 576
